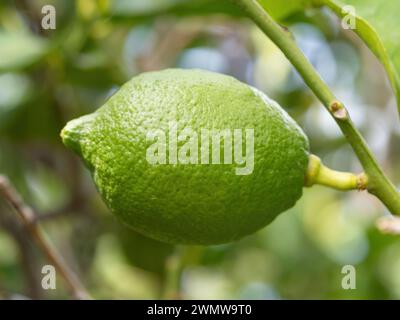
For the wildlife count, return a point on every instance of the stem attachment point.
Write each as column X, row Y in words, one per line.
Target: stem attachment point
column 318, row 173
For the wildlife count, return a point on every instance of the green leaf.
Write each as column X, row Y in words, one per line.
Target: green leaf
column 282, row 9
column 146, row 9
column 378, row 24
column 149, row 9
column 19, row 50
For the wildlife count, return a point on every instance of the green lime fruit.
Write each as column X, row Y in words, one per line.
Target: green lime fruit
column 191, row 156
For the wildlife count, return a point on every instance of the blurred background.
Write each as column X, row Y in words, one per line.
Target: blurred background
column 48, row 77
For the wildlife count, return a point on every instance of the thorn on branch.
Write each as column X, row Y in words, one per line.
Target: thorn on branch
column 287, row 31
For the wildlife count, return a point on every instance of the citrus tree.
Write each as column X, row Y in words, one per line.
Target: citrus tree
column 181, row 156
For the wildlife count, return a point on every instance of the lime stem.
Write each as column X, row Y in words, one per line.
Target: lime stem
column 378, row 182
column 318, row 173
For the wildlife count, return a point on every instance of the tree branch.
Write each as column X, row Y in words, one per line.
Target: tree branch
column 27, row 255
column 378, row 182
column 28, row 217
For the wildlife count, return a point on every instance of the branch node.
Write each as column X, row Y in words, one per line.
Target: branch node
column 338, row 110
column 362, row 181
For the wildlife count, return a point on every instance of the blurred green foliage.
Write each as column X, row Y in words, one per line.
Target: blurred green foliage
column 48, row 77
